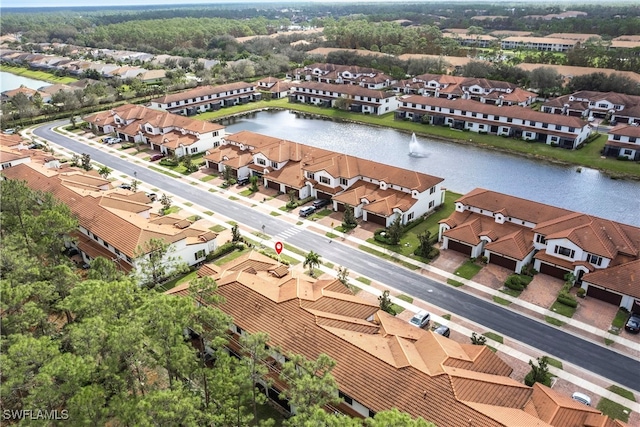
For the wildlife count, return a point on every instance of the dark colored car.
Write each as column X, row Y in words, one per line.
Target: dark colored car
column 633, row 323
column 156, row 157
column 320, row 203
column 152, row 196
column 243, row 181
column 125, row 186
column 443, row 330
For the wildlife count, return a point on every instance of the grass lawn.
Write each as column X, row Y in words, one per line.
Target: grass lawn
column 511, row 292
column 613, row 409
column 455, row 283
column 364, row 280
column 493, row 336
column 208, row 213
column 409, row 241
column 622, row 392
column 553, row 321
column 38, row 75
column 468, row 270
column 177, row 281
column 172, row 175
column 398, row 308
column 217, row 228
column 388, row 257
column 172, row 209
column 562, row 309
column 501, row 301
column 554, row 362
column 207, row 178
column 230, row 257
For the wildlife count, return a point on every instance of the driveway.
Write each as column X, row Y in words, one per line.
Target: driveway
column 542, row 291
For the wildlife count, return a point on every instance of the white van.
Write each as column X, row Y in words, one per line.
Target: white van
column 421, row 319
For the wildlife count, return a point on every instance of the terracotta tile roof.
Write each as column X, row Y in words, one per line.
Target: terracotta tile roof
column 626, row 130
column 202, row 91
column 512, row 111
column 624, row 278
column 124, row 230
column 515, row 245
column 514, row 207
column 550, row 259
column 384, row 202
column 352, row 90
column 11, row 140
column 9, row 154
column 560, row 410
column 377, row 363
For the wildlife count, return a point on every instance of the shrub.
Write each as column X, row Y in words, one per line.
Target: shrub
column 223, row 250
column 515, row 282
column 581, row 292
column 380, row 235
column 484, row 259
column 567, row 299
column 168, row 161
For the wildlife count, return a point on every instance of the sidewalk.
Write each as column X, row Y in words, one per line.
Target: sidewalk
column 462, row 327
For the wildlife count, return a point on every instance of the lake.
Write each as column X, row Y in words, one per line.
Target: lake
column 464, row 167
column 10, row 81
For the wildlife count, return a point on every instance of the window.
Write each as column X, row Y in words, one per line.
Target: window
column 632, row 139
column 540, row 239
column 193, row 150
column 561, row 250
column 545, row 125
column 431, row 204
column 311, row 176
column 106, row 245
column 117, row 251
column 616, row 137
column 594, row 259
column 200, row 254
column 347, row 399
column 344, row 181
column 572, row 129
column 627, row 152
column 410, row 216
column 432, row 190
column 509, row 120
column 261, row 161
column 274, row 165
column 324, row 180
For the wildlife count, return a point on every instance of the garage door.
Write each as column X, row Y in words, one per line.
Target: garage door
column 604, row 295
column 273, row 185
column 340, row 207
column 636, row 306
column 321, row 195
column 502, row 261
column 376, row 219
column 459, row 247
column 553, row 271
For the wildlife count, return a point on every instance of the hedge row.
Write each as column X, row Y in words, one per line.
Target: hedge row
column 567, row 299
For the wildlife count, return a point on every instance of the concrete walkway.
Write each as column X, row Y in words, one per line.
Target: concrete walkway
column 579, row 381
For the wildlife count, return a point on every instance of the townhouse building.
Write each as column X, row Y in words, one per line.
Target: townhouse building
column 487, row 91
column 513, row 232
column 378, row 193
column 381, row 361
column 587, row 103
column 10, row 157
column 472, row 40
column 171, row 134
column 623, row 141
column 512, row 121
column 206, row 98
column 275, row 87
column 356, row 98
column 343, row 74
column 7, row 95
column 114, row 223
column 547, row 44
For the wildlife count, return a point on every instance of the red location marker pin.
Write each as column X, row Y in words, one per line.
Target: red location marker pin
column 278, row 247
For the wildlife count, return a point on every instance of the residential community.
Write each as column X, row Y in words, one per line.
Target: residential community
column 169, row 260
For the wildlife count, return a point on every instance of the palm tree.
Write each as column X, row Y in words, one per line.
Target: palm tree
column 312, row 260
column 105, row 171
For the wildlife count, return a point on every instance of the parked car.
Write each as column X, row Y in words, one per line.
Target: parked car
column 320, row 203
column 114, row 141
column 421, row 319
column 125, row 186
column 443, row 330
column 306, row 211
column 152, row 196
column 156, row 157
column 581, row 397
column 633, row 323
column 243, row 181
column 9, row 131
column 107, row 139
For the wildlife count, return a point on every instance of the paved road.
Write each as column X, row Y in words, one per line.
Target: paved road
column 556, row 343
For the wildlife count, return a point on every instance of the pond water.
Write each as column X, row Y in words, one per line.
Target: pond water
column 10, row 81
column 464, row 167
